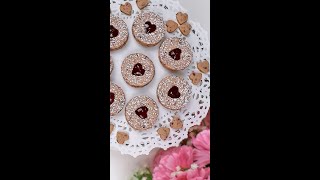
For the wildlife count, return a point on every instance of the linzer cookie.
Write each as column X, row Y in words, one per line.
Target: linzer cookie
column 118, row 33
column 174, row 92
column 137, row 70
column 111, row 65
column 141, row 112
column 117, row 99
column 148, row 29
column 175, row 53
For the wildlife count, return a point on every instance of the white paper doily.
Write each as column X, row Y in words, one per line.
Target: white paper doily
column 142, row 142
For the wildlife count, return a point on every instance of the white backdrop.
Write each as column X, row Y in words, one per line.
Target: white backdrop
column 122, row 166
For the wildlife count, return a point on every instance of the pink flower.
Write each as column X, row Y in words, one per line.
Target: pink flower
column 168, row 164
column 194, row 130
column 202, row 148
column 195, row 174
column 177, row 163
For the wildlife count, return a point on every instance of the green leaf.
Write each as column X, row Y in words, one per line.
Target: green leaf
column 143, row 174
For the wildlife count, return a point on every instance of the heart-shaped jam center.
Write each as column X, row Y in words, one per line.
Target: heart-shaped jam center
column 174, row 92
column 175, row 54
column 111, row 98
column 113, row 32
column 150, row 28
column 142, row 112
column 138, row 70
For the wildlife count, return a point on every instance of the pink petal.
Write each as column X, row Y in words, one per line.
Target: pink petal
column 202, row 157
column 202, row 141
column 166, row 162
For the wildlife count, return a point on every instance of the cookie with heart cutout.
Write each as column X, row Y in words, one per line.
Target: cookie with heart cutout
column 175, row 54
column 111, row 65
column 148, row 29
column 117, row 99
column 141, row 113
column 174, row 92
column 119, row 33
column 137, row 70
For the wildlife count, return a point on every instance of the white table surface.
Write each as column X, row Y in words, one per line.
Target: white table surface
column 122, row 166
